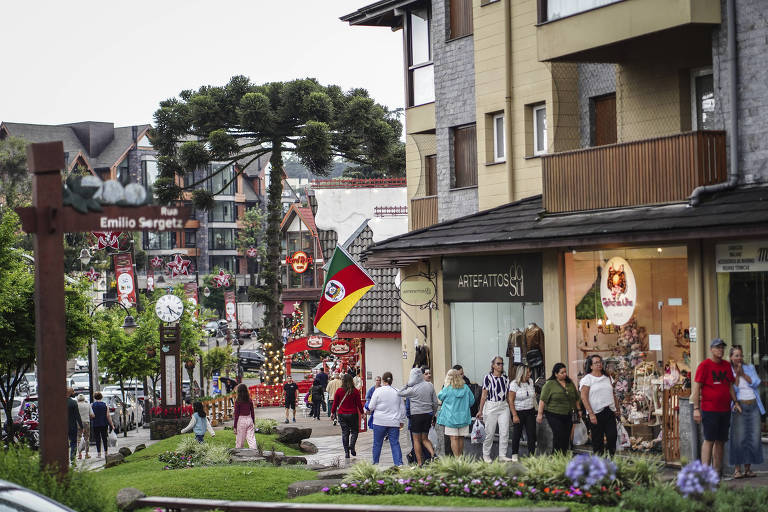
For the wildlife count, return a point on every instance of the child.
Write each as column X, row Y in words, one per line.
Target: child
column 199, row 423
column 244, row 418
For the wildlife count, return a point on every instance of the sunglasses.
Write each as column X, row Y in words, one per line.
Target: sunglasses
column 499, row 362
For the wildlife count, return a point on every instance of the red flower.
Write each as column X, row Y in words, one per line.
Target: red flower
column 546, row 489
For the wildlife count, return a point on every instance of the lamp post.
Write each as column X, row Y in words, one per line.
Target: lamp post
column 129, row 325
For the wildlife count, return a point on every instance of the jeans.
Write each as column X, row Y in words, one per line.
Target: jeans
column 350, row 424
column 493, row 413
column 72, row 434
column 561, row 425
column 744, row 446
column 100, row 433
column 316, row 408
column 330, row 407
column 394, row 443
column 527, row 422
column 606, row 426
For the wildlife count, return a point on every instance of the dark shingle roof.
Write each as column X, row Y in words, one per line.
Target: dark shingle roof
column 378, row 310
column 523, row 225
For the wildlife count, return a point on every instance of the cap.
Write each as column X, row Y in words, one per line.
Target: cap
column 716, row 343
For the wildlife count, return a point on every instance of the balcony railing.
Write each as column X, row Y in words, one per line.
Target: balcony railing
column 652, row 171
column 423, row 212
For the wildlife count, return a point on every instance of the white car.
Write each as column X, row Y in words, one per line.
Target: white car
column 114, row 400
column 80, row 382
column 14, row 410
column 31, row 383
column 81, row 363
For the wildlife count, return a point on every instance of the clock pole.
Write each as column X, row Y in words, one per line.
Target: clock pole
column 170, row 362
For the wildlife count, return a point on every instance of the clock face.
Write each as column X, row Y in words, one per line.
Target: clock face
column 169, row 308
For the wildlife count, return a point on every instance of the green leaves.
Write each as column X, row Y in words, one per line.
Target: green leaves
column 193, row 155
column 314, row 147
column 202, row 199
column 222, row 145
column 255, row 113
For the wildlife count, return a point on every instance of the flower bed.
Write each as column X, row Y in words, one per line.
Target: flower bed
column 159, row 412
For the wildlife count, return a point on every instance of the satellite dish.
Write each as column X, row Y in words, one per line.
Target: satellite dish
column 397, row 279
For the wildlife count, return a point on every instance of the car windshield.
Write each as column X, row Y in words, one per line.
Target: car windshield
column 23, row 500
column 80, row 377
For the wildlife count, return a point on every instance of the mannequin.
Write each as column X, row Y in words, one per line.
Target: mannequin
column 422, row 358
column 516, row 340
column 534, row 355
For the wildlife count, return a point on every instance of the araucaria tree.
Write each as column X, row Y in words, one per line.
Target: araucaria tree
column 241, row 121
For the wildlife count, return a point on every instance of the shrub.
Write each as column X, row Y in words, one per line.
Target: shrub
column 176, row 460
column 637, row 470
column 547, row 470
column 265, row 426
column 754, row 499
column 364, row 470
column 659, row 498
column 78, row 490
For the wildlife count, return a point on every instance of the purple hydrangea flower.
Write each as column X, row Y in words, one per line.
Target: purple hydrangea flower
column 589, row 470
column 696, row 478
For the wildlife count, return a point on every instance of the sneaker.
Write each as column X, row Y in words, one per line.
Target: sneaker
column 503, row 458
column 487, row 459
column 353, row 452
column 294, row 420
column 514, row 457
column 286, row 420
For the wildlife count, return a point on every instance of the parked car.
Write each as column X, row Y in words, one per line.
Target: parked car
column 31, row 383
column 80, row 382
column 251, row 359
column 81, row 363
column 14, row 409
column 115, row 405
column 15, row 498
column 27, row 409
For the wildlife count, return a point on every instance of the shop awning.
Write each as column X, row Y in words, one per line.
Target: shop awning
column 525, row 226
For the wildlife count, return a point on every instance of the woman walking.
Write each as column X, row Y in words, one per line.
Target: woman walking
column 101, row 419
column 744, row 445
column 423, row 406
column 560, row 402
column 84, row 435
column 244, row 418
column 199, row 423
column 318, row 396
column 522, row 403
column 494, row 409
column 602, row 406
column 389, row 418
column 454, row 415
column 348, row 408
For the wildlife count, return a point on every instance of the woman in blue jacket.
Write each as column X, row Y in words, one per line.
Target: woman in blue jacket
column 744, row 445
column 454, row 415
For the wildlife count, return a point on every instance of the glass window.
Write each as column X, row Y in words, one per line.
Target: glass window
column 562, row 8
column 190, row 238
column 420, row 44
column 499, row 144
column 160, row 240
column 123, row 175
column 704, row 100
column 221, row 238
column 421, row 79
column 225, row 262
column 422, row 85
column 539, row 130
column 149, row 173
column 218, row 183
column 223, row 211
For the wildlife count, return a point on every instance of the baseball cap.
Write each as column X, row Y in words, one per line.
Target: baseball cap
column 716, row 343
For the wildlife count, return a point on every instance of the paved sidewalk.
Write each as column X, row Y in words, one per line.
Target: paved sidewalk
column 134, row 439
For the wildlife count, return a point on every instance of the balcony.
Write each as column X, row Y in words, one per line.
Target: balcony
column 651, row 171
column 612, row 31
column 423, row 212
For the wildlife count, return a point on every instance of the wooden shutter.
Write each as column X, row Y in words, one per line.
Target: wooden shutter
column 430, row 173
column 465, row 156
column 605, row 120
column 461, row 18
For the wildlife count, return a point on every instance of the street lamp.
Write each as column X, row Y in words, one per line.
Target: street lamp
column 85, row 257
column 129, row 326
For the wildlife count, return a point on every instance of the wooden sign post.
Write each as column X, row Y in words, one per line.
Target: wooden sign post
column 47, row 220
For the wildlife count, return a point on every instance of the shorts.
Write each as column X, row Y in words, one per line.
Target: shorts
column 420, row 423
column 715, row 425
column 461, row 431
column 290, row 404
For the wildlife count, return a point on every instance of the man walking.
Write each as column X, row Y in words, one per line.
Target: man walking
column 711, row 398
column 73, row 423
column 291, row 390
column 322, row 378
column 333, row 385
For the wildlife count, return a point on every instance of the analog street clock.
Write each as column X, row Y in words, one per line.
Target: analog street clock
column 169, row 308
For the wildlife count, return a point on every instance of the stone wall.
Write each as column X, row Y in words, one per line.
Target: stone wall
column 166, row 427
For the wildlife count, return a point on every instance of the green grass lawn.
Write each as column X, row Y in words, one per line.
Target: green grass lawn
column 440, row 501
column 143, row 471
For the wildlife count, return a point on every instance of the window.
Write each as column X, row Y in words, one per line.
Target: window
column 499, row 143
column 190, row 178
column 703, row 95
column 539, row 129
column 188, row 204
column 218, row 183
column 225, row 262
column 223, row 211
column 148, row 174
column 464, row 157
column 123, row 174
column 461, row 18
column 421, row 77
column 554, row 9
column 221, row 238
column 160, row 240
column 190, row 238
column 603, row 120
column 430, row 168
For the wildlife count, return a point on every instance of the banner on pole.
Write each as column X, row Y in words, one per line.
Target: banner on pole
column 126, row 287
column 190, row 290
column 150, row 280
column 230, row 306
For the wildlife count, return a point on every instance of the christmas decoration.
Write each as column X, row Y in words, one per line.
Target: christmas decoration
column 222, row 280
column 92, row 275
column 297, row 325
column 106, row 239
column 251, row 252
column 179, row 266
column 156, row 262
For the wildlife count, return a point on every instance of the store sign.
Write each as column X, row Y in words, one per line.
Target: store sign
column 299, row 262
column 618, row 292
column 500, row 278
column 339, row 348
column 742, row 257
column 417, row 290
column 315, row 342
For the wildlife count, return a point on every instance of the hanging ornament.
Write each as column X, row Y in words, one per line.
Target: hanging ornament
column 179, row 266
column 251, row 252
column 106, row 239
column 156, row 262
column 222, row 280
column 92, row 275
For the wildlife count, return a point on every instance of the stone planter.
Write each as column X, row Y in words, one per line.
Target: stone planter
column 163, row 428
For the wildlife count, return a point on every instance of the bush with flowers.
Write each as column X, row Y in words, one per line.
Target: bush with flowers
column 184, row 411
column 176, row 460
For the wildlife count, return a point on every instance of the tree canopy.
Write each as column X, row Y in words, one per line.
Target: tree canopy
column 15, row 182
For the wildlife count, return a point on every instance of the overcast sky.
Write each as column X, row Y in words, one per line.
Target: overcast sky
column 108, row 60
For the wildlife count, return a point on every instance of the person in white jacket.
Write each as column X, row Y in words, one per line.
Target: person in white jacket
column 389, row 418
column 199, row 423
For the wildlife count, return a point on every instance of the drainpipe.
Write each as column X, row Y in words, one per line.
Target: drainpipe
column 508, row 111
column 733, row 173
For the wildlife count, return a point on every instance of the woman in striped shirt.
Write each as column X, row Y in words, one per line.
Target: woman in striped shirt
column 494, row 408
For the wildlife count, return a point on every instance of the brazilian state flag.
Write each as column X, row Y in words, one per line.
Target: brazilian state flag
column 345, row 283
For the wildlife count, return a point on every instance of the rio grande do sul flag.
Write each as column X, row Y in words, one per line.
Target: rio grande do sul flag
column 345, row 283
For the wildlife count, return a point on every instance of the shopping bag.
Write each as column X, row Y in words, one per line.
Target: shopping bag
column 432, row 436
column 622, row 437
column 112, row 439
column 579, row 434
column 478, row 432
column 83, row 444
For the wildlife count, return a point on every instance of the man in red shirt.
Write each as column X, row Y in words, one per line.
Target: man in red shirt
column 711, row 398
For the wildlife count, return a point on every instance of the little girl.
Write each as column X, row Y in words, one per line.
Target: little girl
column 199, row 423
column 244, row 418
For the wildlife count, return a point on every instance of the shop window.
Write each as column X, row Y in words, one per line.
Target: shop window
column 639, row 325
column 481, row 330
column 461, row 18
column 421, row 76
column 464, row 157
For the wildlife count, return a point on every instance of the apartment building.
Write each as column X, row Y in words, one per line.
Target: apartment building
column 591, row 172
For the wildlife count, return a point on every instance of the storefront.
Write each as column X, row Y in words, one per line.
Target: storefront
column 494, row 301
column 630, row 306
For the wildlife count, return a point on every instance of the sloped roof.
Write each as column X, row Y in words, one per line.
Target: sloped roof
column 524, row 225
column 304, row 213
column 379, row 309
